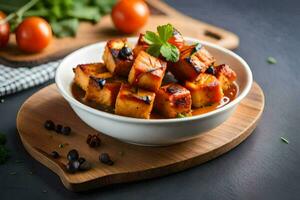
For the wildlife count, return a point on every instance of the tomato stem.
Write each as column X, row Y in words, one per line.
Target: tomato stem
column 19, row 12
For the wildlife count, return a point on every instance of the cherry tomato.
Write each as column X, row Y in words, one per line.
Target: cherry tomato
column 130, row 15
column 177, row 39
column 33, row 34
column 4, row 31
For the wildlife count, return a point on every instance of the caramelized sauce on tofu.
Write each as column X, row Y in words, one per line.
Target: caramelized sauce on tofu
column 229, row 95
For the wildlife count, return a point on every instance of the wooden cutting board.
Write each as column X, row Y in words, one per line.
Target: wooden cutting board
column 161, row 13
column 132, row 162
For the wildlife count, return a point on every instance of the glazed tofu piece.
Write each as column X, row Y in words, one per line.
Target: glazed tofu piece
column 84, row 71
column 147, row 72
column 134, row 102
column 194, row 59
column 173, row 100
column 141, row 45
column 225, row 75
column 205, row 90
column 103, row 90
column 118, row 57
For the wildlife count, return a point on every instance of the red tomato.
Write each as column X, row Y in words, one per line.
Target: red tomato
column 177, row 39
column 130, row 15
column 4, row 31
column 33, row 34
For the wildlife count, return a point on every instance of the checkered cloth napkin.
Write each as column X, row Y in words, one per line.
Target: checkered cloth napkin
column 13, row 80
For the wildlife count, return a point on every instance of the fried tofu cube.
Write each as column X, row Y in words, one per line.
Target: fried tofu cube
column 117, row 61
column 84, row 71
column 134, row 102
column 173, row 100
column 141, row 45
column 205, row 90
column 103, row 91
column 194, row 59
column 225, row 75
column 147, row 72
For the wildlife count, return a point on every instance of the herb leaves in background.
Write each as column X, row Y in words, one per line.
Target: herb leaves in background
column 158, row 43
column 4, row 152
column 63, row 15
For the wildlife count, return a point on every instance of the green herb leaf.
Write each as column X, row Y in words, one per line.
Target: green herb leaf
column 4, row 154
column 152, row 38
column 2, row 139
column 65, row 28
column 154, row 50
column 181, row 115
column 165, row 32
column 170, row 52
column 158, row 43
column 271, row 60
column 284, row 140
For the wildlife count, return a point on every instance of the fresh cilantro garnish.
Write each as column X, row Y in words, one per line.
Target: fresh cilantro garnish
column 4, row 154
column 159, row 43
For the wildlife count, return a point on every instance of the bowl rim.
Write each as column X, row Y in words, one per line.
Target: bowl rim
column 71, row 100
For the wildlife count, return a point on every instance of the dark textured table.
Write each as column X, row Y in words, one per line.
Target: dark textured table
column 262, row 167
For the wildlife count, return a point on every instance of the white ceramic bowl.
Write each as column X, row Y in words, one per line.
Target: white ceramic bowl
column 152, row 132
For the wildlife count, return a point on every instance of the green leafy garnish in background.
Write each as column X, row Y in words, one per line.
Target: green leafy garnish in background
column 2, row 139
column 4, row 154
column 63, row 15
column 159, row 43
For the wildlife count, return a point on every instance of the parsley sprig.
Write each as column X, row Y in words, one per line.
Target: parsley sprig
column 159, row 44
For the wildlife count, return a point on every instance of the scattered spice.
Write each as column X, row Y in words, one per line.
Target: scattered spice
column 93, row 140
column 271, row 60
column 66, row 130
column 58, row 128
column 54, row 154
column 85, row 166
column 73, row 155
column 105, row 158
column 49, row 125
column 284, row 140
column 121, row 153
column 72, row 166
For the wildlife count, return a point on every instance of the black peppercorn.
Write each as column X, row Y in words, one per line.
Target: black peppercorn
column 66, row 130
column 85, row 166
column 49, row 125
column 81, row 160
column 72, row 166
column 101, row 82
column 58, row 128
column 210, row 70
column 54, row 154
column 93, row 141
column 125, row 52
column 105, row 158
column 73, row 155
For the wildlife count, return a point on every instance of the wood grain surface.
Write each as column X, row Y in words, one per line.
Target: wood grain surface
column 104, row 30
column 132, row 162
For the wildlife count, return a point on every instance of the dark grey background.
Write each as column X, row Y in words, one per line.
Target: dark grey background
column 262, row 167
